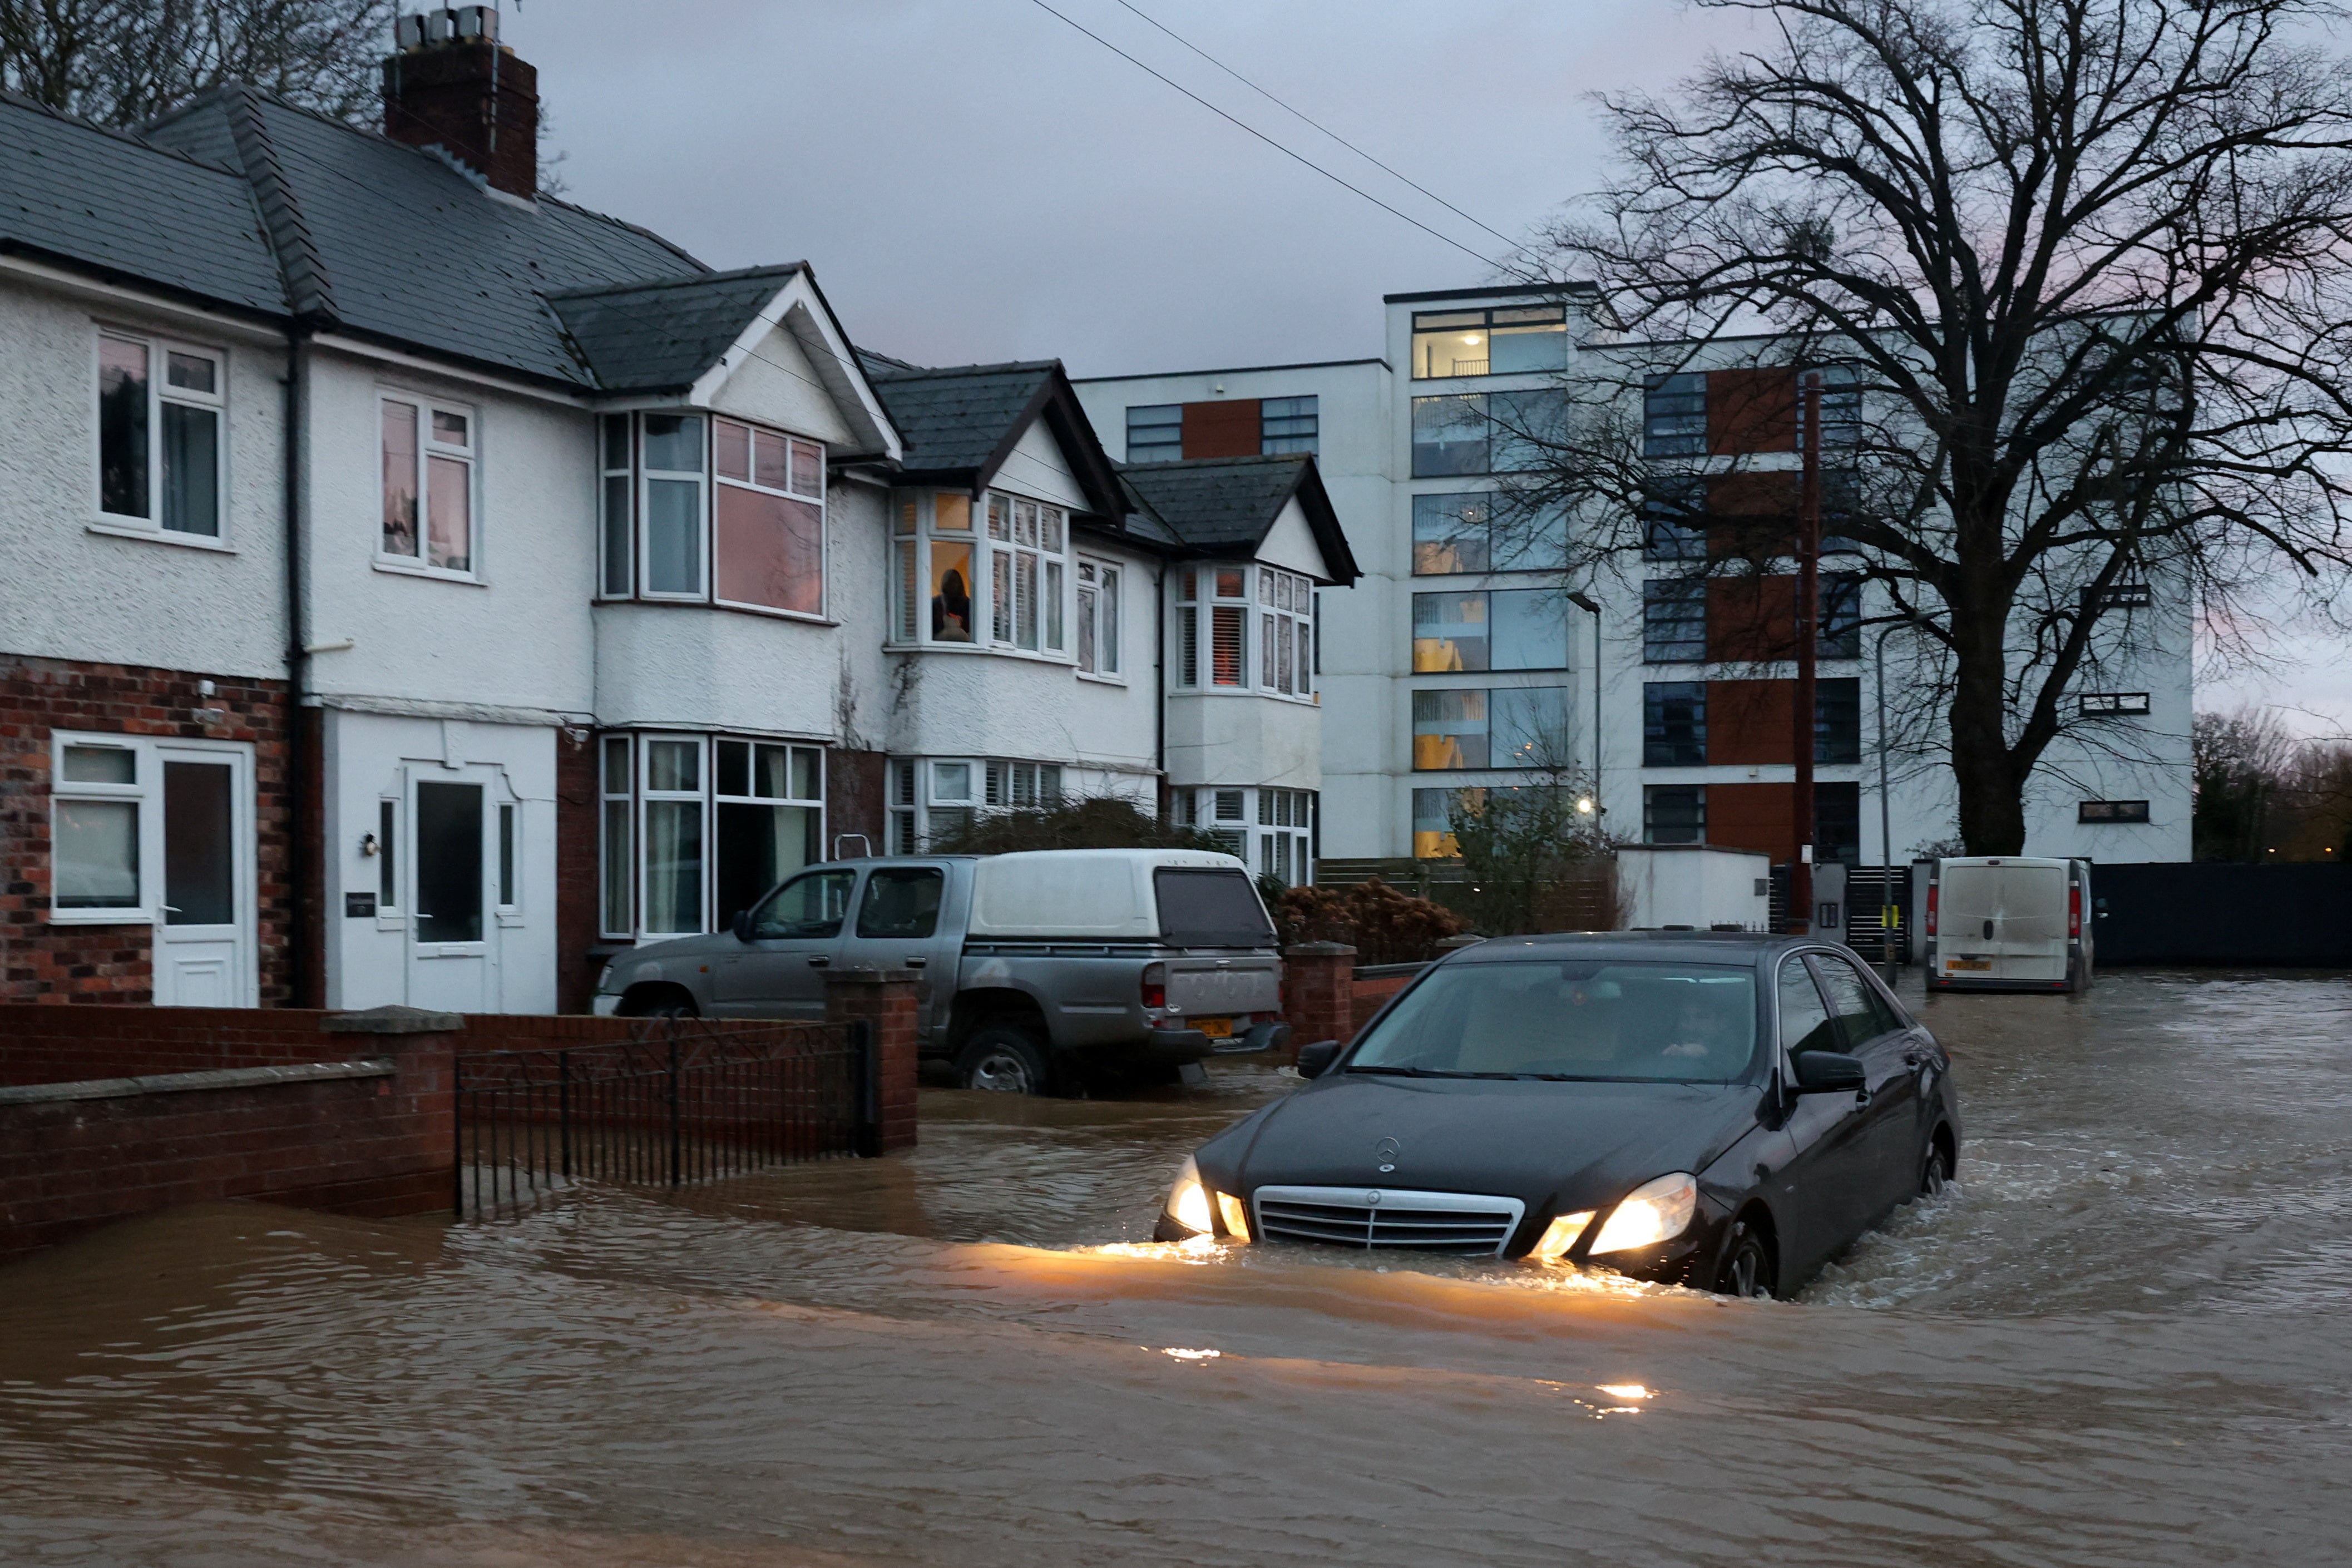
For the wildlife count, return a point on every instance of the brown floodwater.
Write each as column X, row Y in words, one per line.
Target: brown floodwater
column 2121, row 1339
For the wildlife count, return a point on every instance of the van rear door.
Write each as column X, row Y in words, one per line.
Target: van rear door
column 2002, row 923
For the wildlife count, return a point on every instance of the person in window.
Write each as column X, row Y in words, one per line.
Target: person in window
column 1702, row 1033
column 951, row 610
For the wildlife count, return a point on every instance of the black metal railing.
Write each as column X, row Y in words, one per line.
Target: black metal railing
column 678, row 1101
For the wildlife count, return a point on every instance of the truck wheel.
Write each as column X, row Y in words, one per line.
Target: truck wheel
column 1002, row 1058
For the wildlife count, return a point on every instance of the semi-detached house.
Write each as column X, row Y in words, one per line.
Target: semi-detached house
column 420, row 587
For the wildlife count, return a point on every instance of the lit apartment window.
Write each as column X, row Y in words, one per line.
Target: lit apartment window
column 1503, row 341
column 1212, row 626
column 1098, row 618
column 1674, row 814
column 1286, row 634
column 767, row 518
column 1004, row 585
column 1433, row 825
column 1483, row 530
column 1288, row 424
column 427, row 451
column 1508, row 629
column 1673, row 416
column 1155, row 434
column 1497, row 727
column 160, row 431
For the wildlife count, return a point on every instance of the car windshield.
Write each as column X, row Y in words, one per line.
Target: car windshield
column 1582, row 1018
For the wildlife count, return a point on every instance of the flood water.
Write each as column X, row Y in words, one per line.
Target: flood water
column 2125, row 1338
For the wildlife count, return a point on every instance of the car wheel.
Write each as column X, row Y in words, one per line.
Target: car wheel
column 1747, row 1269
column 1004, row 1059
column 1934, row 1172
column 665, row 1008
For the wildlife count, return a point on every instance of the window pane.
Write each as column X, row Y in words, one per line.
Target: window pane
column 617, row 564
column 1086, row 630
column 448, row 863
column 450, row 501
column 1449, row 731
column 902, row 521
column 507, row 855
column 758, row 846
column 1024, row 522
column 951, row 513
column 1804, row 1022
column 952, row 781
column 387, row 836
column 770, row 460
column 123, row 427
column 1155, row 434
column 191, row 372
column 1024, row 600
column 1674, row 723
column 1529, row 538
column 192, row 469
column 1449, row 534
column 1049, row 529
column 399, row 478
column 674, row 765
column 1188, row 641
column 101, row 764
column 1108, row 613
column 809, row 905
column 1861, row 1015
column 1673, row 416
column 619, row 866
column 808, row 773
column 730, row 450
column 1228, row 657
column 1460, row 351
column 1674, row 814
column 1531, row 428
column 733, row 762
column 616, row 765
column 808, row 469
column 999, row 517
column 1674, row 619
column 1233, row 585
column 1535, row 347
column 95, row 860
column 199, row 844
column 450, row 429
column 673, row 866
column 1531, row 629
column 1449, row 633
column 906, row 588
column 1053, row 605
column 1265, row 666
column 674, row 536
column 1284, row 662
column 674, row 442
column 901, row 902
column 951, row 594
column 770, row 773
column 1530, row 727
column 617, row 440
column 1837, row 721
column 1449, row 435
column 770, row 549
column 1000, row 598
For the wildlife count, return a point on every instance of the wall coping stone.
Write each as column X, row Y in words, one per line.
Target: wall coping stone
column 185, row 1083
column 1380, row 971
column 392, row 1020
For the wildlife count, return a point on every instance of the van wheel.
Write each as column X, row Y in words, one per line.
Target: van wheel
column 1005, row 1059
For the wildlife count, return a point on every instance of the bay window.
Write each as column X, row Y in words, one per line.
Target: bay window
column 1098, row 618
column 1285, row 638
column 1216, row 640
column 160, row 408
column 1006, row 584
column 697, row 827
column 427, row 452
column 710, row 510
column 1270, row 830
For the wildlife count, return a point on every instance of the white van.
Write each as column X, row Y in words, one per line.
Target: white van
column 2009, row 923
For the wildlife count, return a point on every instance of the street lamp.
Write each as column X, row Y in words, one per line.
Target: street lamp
column 1584, row 601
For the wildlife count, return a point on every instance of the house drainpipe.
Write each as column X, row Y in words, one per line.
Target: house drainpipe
column 303, row 950
column 1159, row 687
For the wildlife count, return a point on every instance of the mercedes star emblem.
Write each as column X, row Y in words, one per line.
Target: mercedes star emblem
column 1386, row 1151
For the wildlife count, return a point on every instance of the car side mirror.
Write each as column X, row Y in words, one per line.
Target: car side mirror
column 1316, row 1059
column 742, row 925
column 1830, row 1072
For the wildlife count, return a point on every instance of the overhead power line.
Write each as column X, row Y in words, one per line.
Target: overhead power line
column 1262, row 136
column 1318, row 124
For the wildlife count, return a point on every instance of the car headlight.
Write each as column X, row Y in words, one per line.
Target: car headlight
column 1653, row 1212
column 1188, row 1201
column 1559, row 1236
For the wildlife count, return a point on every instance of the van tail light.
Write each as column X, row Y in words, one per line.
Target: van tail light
column 1155, row 986
column 1932, row 891
column 2074, row 911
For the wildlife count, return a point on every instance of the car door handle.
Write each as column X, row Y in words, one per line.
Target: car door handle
column 818, row 961
column 917, row 963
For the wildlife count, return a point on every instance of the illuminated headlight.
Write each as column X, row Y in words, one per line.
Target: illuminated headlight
column 1188, row 1201
column 1559, row 1236
column 1655, row 1211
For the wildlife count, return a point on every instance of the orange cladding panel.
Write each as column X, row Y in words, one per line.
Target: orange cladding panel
column 1751, row 722
column 1223, row 429
column 1752, row 817
column 1751, row 618
column 1751, row 410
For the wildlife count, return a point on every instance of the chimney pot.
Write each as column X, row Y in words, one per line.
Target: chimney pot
column 452, row 85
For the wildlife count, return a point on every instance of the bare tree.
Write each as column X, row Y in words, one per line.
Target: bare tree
column 2082, row 261
column 120, row 62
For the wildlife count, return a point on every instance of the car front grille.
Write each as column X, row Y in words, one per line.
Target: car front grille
column 1362, row 1217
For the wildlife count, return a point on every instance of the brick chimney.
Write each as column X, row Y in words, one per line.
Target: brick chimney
column 451, row 85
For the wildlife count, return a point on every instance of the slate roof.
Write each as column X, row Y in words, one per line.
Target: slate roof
column 960, row 423
column 110, row 202
column 658, row 337
column 1224, row 505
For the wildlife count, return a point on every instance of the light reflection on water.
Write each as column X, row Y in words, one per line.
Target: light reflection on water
column 2119, row 1337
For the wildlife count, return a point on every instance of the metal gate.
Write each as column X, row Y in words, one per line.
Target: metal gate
column 681, row 1100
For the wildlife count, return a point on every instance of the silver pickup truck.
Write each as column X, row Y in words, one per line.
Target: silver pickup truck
column 1061, row 966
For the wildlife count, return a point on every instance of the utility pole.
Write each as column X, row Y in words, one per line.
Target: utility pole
column 1808, row 608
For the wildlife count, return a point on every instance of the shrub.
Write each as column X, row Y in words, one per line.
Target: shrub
column 1384, row 925
column 1098, row 822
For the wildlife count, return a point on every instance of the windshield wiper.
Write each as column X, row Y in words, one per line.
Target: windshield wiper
column 1426, row 1071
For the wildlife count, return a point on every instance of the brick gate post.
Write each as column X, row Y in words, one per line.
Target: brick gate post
column 1318, row 987
column 885, row 1001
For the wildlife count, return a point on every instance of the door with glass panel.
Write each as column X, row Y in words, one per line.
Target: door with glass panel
column 462, row 827
column 206, row 950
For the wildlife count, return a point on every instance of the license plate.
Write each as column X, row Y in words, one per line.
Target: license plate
column 1968, row 964
column 1215, row 1028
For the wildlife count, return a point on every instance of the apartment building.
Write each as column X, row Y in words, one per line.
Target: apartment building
column 426, row 586
column 1466, row 659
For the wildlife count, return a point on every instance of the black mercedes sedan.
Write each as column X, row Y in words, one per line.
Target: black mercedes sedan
column 1723, row 1111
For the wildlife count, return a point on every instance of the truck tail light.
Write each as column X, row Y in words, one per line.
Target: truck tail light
column 1155, row 986
column 2074, row 911
column 1932, row 891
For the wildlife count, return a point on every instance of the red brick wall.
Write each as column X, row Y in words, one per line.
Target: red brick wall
column 885, row 999
column 44, row 963
column 578, row 872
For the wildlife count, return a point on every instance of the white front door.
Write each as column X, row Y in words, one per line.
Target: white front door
column 455, row 817
column 207, row 947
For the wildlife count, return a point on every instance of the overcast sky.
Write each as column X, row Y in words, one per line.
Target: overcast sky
column 975, row 179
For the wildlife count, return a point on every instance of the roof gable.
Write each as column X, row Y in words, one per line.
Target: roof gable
column 963, row 424
column 1229, row 507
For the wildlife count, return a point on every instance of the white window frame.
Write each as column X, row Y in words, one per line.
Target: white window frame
column 1099, row 585
column 159, row 349
column 635, row 751
column 1013, row 528
column 793, row 443
column 642, row 493
column 1199, row 599
column 145, row 792
column 427, row 449
column 625, row 472
column 646, row 796
column 1286, row 618
column 914, row 529
column 621, row 876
